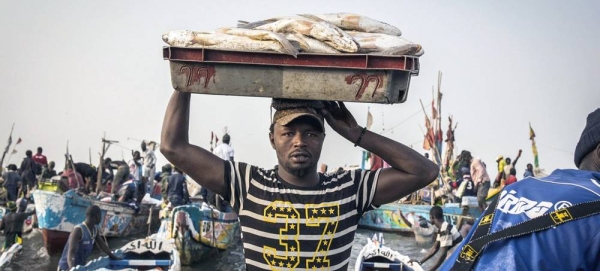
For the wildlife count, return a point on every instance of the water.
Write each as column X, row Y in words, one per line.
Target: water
column 35, row 257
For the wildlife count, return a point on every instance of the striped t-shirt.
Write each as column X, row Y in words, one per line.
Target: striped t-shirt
column 285, row 227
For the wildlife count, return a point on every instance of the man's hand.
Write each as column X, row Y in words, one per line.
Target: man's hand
column 339, row 118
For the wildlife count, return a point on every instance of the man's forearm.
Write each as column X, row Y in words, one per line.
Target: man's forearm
column 398, row 155
column 175, row 130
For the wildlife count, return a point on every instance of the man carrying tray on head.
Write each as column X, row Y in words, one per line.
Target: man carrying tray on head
column 292, row 216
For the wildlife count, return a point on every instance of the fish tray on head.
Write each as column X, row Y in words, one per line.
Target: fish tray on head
column 335, row 57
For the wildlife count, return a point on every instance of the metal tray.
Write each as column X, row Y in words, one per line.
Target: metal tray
column 331, row 77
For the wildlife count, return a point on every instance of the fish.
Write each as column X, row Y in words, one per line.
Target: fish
column 319, row 30
column 355, row 22
column 231, row 39
column 402, row 50
column 310, row 45
column 377, row 42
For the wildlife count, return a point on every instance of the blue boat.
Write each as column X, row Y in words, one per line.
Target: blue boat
column 141, row 254
column 58, row 213
column 387, row 217
column 198, row 230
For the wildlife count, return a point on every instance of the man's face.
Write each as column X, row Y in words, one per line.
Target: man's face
column 298, row 145
column 143, row 146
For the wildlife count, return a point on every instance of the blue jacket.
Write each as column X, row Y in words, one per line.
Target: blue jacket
column 574, row 245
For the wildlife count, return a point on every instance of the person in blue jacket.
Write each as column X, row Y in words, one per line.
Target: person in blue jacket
column 573, row 245
column 82, row 239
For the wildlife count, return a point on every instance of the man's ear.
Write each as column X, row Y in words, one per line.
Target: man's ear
column 272, row 140
column 597, row 151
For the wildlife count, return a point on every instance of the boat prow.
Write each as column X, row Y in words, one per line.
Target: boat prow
column 375, row 256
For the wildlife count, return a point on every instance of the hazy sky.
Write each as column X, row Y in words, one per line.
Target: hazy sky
column 72, row 70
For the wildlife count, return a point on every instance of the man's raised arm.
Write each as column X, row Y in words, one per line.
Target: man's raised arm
column 200, row 164
column 409, row 170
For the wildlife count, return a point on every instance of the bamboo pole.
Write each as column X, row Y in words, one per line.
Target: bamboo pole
column 7, row 147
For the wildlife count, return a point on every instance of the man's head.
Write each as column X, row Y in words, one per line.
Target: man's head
column 39, row 150
column 167, row 168
column 107, row 161
column 427, row 155
column 436, row 214
column 530, row 167
column 507, row 160
column 512, row 171
column 12, row 167
column 297, row 135
column 93, row 215
column 587, row 151
column 143, row 146
column 28, row 153
column 466, row 156
column 136, row 155
column 226, row 139
column 51, row 165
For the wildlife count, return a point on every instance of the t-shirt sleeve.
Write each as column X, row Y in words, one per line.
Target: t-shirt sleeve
column 237, row 179
column 447, row 235
column 366, row 182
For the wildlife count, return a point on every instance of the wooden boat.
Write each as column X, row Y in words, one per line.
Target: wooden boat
column 58, row 213
column 141, row 254
column 198, row 230
column 375, row 256
column 387, row 217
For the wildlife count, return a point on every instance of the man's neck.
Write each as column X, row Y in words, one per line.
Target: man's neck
column 309, row 180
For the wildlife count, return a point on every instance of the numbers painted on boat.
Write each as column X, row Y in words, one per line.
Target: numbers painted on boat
column 141, row 246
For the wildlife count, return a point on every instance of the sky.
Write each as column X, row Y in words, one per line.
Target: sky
column 74, row 71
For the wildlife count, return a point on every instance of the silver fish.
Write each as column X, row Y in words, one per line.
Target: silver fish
column 319, row 30
column 231, row 39
column 376, row 42
column 310, row 45
column 406, row 49
column 350, row 21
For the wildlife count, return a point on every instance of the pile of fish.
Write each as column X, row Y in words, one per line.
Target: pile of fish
column 331, row 33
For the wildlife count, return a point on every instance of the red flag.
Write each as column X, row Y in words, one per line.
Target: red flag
column 18, row 141
column 434, row 113
column 429, row 136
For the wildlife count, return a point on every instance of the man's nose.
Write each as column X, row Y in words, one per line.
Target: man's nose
column 299, row 140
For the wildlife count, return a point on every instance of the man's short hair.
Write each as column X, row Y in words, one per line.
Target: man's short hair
column 28, row 153
column 93, row 210
column 12, row 167
column 437, row 212
column 39, row 150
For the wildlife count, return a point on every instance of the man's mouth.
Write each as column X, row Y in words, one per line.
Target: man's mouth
column 300, row 157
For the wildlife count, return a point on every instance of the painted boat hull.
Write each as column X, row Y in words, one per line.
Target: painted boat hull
column 59, row 213
column 139, row 258
column 374, row 256
column 199, row 230
column 387, row 217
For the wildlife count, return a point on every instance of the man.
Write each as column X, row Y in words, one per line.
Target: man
column 81, row 241
column 500, row 176
column 447, row 237
column 528, row 171
column 135, row 165
column 40, row 158
column 480, row 178
column 12, row 182
column 118, row 178
column 74, row 179
column 12, row 224
column 291, row 216
column 89, row 174
column 510, row 165
column 512, row 178
column 164, row 181
column 422, row 229
column 177, row 193
column 572, row 245
column 49, row 172
column 149, row 165
column 28, row 170
column 224, row 150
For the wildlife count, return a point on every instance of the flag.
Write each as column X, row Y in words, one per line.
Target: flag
column 216, row 140
column 429, row 136
column 536, row 161
column 369, row 120
column 18, row 141
column 14, row 151
column 434, row 113
column 9, row 142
